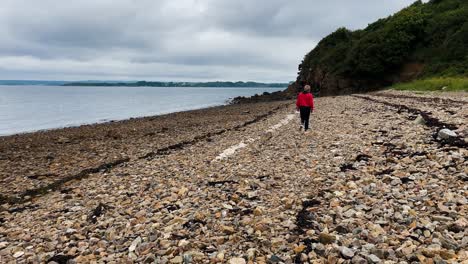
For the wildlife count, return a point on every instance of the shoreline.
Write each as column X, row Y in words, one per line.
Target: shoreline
column 110, row 121
column 31, row 161
column 39, row 116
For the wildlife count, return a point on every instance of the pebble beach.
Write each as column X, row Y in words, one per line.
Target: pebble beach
column 380, row 178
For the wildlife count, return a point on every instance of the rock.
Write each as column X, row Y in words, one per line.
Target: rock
column 346, row 253
column 373, row 258
column 342, row 229
column 150, row 258
column 441, row 218
column 220, row 256
column 3, row 244
column 70, row 231
column 18, row 254
column 419, row 120
column 456, row 227
column 134, row 244
column 326, row 238
column 228, row 230
column 251, row 253
column 258, row 211
column 237, row 261
column 187, row 258
column 319, row 249
column 439, row 260
column 275, row 259
column 299, row 249
column 448, row 243
column 177, row 259
column 446, row 133
column 380, row 253
column 445, row 254
column 358, row 260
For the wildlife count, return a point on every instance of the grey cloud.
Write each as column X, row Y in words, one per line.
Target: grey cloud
column 178, row 40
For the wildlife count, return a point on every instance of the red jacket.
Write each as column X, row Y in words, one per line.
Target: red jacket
column 305, row 99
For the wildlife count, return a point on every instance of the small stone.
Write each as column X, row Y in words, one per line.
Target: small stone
column 373, row 258
column 237, row 261
column 351, row 185
column 182, row 191
column 358, row 260
column 427, row 233
column 441, row 218
column 258, row 211
column 150, row 258
column 187, row 258
column 326, row 238
column 346, row 253
column 419, row 120
column 18, row 254
column 446, row 134
column 220, row 256
column 228, row 230
column 177, row 259
column 456, row 227
column 134, row 244
column 251, row 253
column 438, row 260
column 448, row 243
column 342, row 229
column 3, row 244
column 299, row 249
column 183, row 243
column 70, row 231
column 274, row 259
column 446, row 254
column 319, row 249
column 380, row 253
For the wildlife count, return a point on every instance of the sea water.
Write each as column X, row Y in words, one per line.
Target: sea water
column 32, row 108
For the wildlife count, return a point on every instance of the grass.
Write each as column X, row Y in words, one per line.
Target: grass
column 435, row 84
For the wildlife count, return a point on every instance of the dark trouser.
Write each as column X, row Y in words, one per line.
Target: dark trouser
column 305, row 115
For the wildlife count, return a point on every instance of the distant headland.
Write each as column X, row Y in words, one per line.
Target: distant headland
column 145, row 83
column 179, row 84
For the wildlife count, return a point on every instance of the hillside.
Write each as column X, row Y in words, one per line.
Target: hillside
column 422, row 40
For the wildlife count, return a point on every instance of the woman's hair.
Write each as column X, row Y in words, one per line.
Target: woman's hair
column 307, row 88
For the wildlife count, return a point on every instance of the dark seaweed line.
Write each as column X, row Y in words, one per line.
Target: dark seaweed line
column 57, row 184
column 420, row 98
column 108, row 166
column 430, row 121
column 181, row 145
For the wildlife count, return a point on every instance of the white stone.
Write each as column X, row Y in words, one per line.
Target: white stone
column 134, row 244
column 237, row 261
column 446, row 133
column 18, row 254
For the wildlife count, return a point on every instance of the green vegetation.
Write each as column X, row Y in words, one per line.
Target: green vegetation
column 435, row 84
column 432, row 35
column 180, row 84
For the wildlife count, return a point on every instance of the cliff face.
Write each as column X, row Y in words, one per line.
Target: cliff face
column 419, row 41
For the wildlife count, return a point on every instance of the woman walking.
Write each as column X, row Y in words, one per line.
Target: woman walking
column 305, row 104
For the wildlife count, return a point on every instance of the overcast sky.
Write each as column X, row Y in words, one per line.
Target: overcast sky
column 177, row 40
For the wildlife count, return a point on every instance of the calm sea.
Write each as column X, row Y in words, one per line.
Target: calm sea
column 32, row 108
